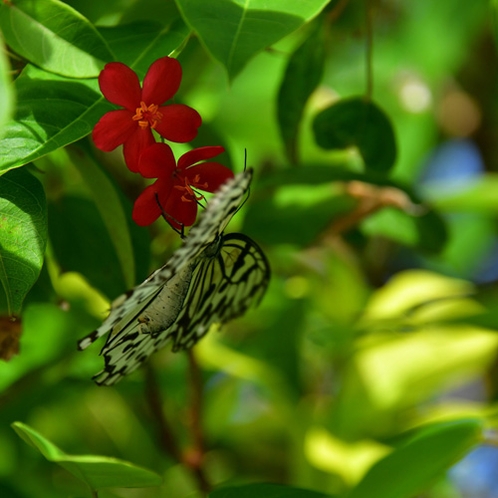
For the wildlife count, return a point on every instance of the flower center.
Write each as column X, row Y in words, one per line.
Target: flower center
column 147, row 116
column 188, row 187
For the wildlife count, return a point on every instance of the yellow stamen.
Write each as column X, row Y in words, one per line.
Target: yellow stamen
column 147, row 115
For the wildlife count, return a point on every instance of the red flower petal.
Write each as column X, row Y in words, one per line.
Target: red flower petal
column 195, row 155
column 120, row 85
column 113, row 129
column 181, row 212
column 179, row 123
column 161, row 81
column 135, row 145
column 157, row 161
column 146, row 210
column 214, row 174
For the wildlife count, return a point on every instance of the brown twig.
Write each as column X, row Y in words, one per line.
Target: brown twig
column 192, row 459
column 153, row 394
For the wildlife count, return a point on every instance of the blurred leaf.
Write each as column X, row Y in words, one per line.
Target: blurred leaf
column 7, row 96
column 426, row 232
column 23, row 226
column 234, row 32
column 96, row 471
column 265, row 490
column 111, row 210
column 358, row 122
column 54, row 36
column 82, row 243
column 413, row 467
column 302, row 75
column 52, row 112
column 140, row 43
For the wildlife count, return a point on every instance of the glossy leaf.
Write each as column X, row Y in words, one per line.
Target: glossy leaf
column 54, row 36
column 52, row 111
column 357, row 122
column 234, row 32
column 23, row 230
column 302, row 75
column 266, row 490
column 7, row 95
column 96, row 471
column 414, row 466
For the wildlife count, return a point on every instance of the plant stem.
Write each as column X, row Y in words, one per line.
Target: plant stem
column 369, row 48
column 153, row 395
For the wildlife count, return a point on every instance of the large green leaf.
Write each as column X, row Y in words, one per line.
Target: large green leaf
column 234, row 31
column 141, row 43
column 266, row 491
column 52, row 111
column 23, row 235
column 6, row 90
column 96, row 471
column 361, row 123
column 54, row 36
column 414, row 466
column 302, row 75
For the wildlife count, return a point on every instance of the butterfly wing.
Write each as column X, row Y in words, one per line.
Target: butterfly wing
column 227, row 280
column 140, row 321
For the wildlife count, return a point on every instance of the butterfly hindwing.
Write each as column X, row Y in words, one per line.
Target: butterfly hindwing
column 211, row 278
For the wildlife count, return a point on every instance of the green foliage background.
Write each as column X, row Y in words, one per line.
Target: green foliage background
column 369, row 369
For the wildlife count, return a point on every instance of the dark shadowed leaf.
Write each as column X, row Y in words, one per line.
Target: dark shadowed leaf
column 362, row 124
column 302, row 75
column 266, row 491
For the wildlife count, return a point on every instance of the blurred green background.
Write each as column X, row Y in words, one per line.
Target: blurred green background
column 380, row 320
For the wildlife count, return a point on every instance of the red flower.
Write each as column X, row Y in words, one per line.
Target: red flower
column 174, row 193
column 143, row 109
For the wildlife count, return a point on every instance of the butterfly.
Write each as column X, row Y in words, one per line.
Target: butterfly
column 211, row 279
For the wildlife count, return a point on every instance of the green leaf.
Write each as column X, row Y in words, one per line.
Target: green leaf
column 23, row 226
column 111, row 210
column 6, row 90
column 139, row 44
column 414, row 466
column 55, row 37
column 82, row 243
column 302, row 75
column 234, row 32
column 357, row 122
column 267, row 490
column 52, row 112
column 96, row 471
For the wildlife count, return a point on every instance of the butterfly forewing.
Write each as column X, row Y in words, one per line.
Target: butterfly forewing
column 211, row 278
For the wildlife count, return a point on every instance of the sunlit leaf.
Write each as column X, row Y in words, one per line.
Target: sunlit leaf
column 54, row 36
column 235, row 31
column 52, row 112
column 23, row 227
column 360, row 123
column 414, row 466
column 96, row 471
column 7, row 96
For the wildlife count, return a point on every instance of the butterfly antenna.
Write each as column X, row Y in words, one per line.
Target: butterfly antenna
column 168, row 218
column 249, row 188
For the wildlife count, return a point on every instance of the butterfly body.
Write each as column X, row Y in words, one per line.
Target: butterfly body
column 212, row 278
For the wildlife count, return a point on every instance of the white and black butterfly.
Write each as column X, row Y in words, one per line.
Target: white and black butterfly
column 210, row 279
